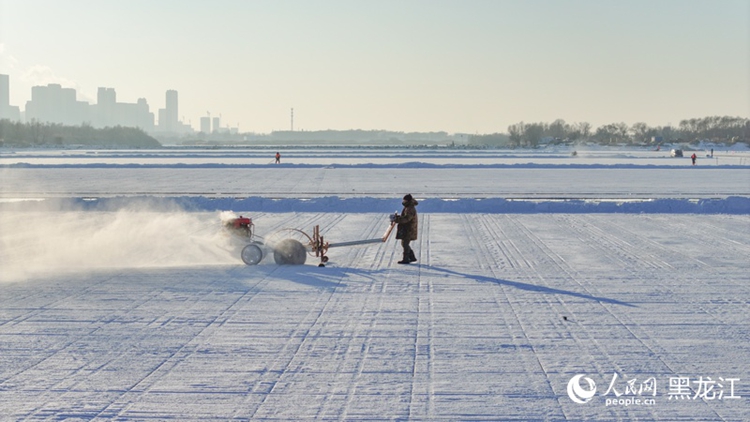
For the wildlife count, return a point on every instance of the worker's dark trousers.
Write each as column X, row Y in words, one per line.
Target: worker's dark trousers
column 408, row 252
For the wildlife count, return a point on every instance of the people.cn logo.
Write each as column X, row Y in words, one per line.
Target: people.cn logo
column 577, row 393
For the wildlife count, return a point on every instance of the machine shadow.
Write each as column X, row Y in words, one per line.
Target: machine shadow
column 528, row 287
column 331, row 277
column 328, row 278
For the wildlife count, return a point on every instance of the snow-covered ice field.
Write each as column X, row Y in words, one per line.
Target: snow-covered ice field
column 608, row 286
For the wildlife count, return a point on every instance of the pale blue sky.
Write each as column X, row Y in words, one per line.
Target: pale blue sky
column 409, row 65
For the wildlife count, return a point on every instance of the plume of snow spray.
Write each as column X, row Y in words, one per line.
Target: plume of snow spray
column 42, row 243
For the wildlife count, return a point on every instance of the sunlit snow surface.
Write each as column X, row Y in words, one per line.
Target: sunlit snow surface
column 122, row 299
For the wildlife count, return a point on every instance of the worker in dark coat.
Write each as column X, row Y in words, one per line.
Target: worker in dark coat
column 407, row 228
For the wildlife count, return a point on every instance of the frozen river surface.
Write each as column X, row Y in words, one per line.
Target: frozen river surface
column 380, row 174
column 149, row 314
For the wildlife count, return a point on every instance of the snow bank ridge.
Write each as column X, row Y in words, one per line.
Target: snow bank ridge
column 730, row 205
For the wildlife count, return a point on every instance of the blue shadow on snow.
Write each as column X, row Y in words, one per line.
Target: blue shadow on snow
column 529, row 287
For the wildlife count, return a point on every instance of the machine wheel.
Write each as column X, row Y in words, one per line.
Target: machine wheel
column 289, row 252
column 252, row 254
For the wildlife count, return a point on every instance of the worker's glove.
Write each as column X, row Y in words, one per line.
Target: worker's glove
column 394, row 216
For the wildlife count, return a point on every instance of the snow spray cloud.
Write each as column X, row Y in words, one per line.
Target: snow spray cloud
column 45, row 244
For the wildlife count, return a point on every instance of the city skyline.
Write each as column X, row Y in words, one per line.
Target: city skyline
column 53, row 103
column 418, row 66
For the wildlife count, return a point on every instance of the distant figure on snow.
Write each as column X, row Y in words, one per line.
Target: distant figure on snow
column 278, row 158
column 693, row 157
column 407, row 227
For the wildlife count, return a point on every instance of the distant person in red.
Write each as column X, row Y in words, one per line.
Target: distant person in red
column 278, row 158
column 693, row 157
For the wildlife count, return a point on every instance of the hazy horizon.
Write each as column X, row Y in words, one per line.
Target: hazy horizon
column 418, row 66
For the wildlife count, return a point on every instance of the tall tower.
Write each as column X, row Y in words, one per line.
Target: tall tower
column 292, row 119
column 4, row 92
column 171, row 111
column 7, row 111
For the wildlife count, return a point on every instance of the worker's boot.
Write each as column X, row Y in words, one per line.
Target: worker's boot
column 405, row 259
column 412, row 258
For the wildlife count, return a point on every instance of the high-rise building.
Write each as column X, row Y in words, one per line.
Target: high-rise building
column 6, row 110
column 106, row 100
column 217, row 124
column 168, row 116
column 108, row 112
column 206, row 125
column 171, row 111
column 4, row 92
column 55, row 104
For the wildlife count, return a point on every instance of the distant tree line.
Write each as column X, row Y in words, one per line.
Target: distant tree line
column 720, row 129
column 36, row 134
